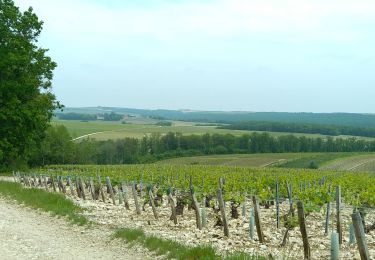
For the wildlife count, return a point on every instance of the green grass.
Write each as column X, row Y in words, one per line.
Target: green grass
column 54, row 203
column 172, row 249
column 78, row 128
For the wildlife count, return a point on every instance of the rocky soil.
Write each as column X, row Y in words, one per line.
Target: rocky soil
column 186, row 232
column 117, row 216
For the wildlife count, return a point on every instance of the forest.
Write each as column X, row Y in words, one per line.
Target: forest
column 333, row 130
column 57, row 147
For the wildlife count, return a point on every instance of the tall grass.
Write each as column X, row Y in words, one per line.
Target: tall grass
column 54, row 203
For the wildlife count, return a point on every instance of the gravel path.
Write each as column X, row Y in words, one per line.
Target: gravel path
column 30, row 234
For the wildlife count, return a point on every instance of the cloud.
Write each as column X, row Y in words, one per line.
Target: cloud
column 208, row 48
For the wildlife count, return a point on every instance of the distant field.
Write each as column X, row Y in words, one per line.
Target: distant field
column 115, row 130
column 319, row 159
column 324, row 161
column 241, row 160
column 357, row 162
column 348, row 119
column 78, row 128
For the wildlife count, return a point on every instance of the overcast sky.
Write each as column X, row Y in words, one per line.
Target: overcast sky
column 254, row 55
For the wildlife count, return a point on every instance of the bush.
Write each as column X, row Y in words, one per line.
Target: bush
column 164, row 123
column 313, row 165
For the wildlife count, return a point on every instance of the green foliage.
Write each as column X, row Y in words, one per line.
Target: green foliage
column 75, row 116
column 55, row 203
column 26, row 101
column 156, row 147
column 164, row 123
column 291, row 222
column 56, row 147
column 313, row 165
column 292, row 127
column 112, row 116
column 357, row 188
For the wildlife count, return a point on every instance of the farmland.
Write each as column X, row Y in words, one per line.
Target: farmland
column 240, row 160
column 115, row 130
column 309, row 186
column 197, row 130
column 359, row 162
column 364, row 162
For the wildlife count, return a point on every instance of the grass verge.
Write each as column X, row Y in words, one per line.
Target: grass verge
column 54, row 203
column 172, row 249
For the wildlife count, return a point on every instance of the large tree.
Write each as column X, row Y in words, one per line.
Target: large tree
column 26, row 101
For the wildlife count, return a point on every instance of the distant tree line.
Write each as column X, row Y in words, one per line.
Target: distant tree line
column 76, row 116
column 333, row 130
column 89, row 117
column 57, row 147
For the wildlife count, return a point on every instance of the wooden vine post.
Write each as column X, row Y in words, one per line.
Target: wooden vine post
column 338, row 213
column 290, row 197
column 81, row 187
column 197, row 209
column 53, row 183
column 45, row 182
column 198, row 218
column 151, row 196
column 137, row 208
column 172, row 204
column 125, row 194
column 302, row 226
column 109, row 187
column 25, row 180
column 61, row 185
column 328, row 213
column 277, row 206
column 101, row 188
column 79, row 193
column 40, row 180
column 34, row 178
column 360, row 236
column 222, row 210
column 92, row 188
column 257, row 220
column 70, row 183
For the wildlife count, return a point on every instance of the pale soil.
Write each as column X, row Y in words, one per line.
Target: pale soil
column 30, row 234
column 185, row 232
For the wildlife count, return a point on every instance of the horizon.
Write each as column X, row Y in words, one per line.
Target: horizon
column 219, row 111
column 220, row 55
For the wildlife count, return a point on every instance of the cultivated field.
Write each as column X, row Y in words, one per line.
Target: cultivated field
column 353, row 163
column 240, row 160
column 153, row 194
column 104, row 130
column 324, row 161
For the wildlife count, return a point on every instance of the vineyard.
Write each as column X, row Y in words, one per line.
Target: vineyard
column 283, row 213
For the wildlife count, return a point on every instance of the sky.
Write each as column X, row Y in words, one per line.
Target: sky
column 232, row 55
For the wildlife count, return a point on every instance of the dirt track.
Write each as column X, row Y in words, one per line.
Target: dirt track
column 28, row 234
